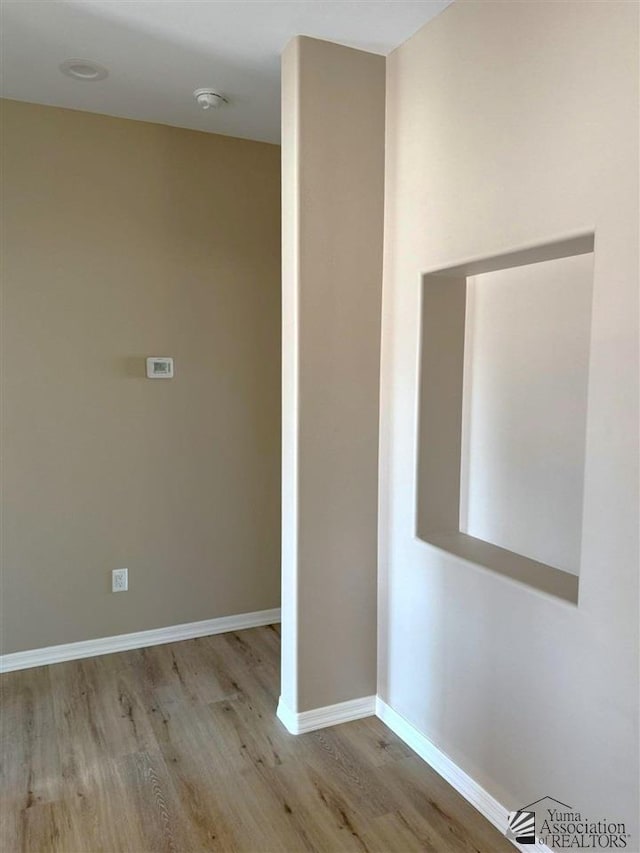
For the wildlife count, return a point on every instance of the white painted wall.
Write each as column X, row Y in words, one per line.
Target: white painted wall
column 527, row 336
column 510, row 125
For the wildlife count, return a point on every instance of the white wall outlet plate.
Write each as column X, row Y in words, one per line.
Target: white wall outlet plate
column 159, row 367
column 119, row 580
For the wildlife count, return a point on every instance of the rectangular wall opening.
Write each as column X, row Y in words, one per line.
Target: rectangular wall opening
column 503, row 407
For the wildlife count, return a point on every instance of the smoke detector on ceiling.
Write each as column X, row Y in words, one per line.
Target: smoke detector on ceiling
column 209, row 98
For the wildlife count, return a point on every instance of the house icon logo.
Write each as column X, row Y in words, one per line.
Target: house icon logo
column 521, row 824
column 522, row 827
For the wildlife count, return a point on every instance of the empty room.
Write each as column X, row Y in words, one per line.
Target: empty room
column 319, row 426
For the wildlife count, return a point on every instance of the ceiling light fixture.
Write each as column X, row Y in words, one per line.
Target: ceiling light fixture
column 209, row 98
column 83, row 69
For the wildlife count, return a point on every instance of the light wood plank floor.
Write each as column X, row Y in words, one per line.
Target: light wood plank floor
column 177, row 748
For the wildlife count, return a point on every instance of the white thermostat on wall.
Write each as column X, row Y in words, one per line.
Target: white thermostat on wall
column 159, row 367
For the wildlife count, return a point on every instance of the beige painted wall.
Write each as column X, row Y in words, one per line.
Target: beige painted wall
column 525, row 406
column 509, row 125
column 333, row 167
column 123, row 240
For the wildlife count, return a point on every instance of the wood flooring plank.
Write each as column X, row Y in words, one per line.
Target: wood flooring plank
column 45, row 826
column 425, row 798
column 395, row 832
column 375, row 744
column 333, row 757
column 322, row 809
column 177, row 749
column 30, row 767
column 153, row 800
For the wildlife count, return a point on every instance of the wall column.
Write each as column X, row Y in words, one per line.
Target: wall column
column 333, row 174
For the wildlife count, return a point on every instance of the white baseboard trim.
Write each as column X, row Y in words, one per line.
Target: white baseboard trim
column 330, row 715
column 137, row 640
column 475, row 794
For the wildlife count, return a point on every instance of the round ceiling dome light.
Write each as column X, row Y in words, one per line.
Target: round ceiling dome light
column 83, row 69
column 209, row 98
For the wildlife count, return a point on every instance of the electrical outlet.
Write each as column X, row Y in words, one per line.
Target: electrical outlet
column 119, row 580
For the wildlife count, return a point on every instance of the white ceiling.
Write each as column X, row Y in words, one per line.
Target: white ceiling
column 159, row 51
